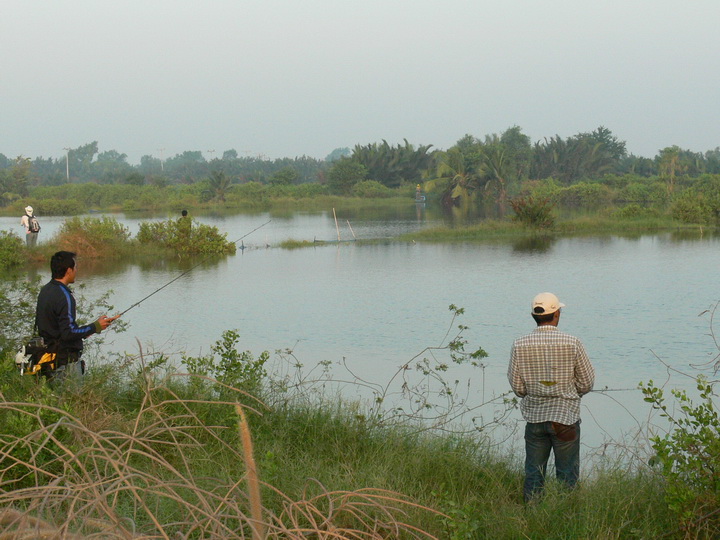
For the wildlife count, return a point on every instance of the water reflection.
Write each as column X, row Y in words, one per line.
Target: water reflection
column 534, row 244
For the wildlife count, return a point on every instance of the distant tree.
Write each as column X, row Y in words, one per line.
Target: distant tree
column 150, row 165
column 284, row 177
column 344, row 174
column 455, row 180
column 186, row 167
column 134, row 179
column 14, row 182
column 80, row 161
column 580, row 156
column 640, row 166
column 219, row 183
column 392, row 166
column 111, row 167
column 229, row 155
column 337, row 154
column 670, row 166
column 506, row 160
column 712, row 161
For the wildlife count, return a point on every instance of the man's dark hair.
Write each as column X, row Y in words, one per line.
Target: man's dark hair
column 543, row 318
column 184, row 213
column 60, row 262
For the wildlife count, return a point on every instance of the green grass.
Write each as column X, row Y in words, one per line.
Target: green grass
column 89, row 452
column 499, row 230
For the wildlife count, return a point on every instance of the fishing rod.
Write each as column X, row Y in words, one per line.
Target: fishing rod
column 187, row 272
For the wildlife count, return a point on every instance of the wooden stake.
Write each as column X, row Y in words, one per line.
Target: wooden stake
column 336, row 225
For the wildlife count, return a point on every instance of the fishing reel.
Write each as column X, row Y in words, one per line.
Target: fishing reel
column 22, row 360
column 24, row 355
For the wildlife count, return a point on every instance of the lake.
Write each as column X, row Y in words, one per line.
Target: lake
column 633, row 301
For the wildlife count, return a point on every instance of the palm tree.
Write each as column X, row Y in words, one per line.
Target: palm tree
column 454, row 179
column 219, row 185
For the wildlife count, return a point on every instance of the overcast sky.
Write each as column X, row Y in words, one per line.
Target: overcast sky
column 285, row 78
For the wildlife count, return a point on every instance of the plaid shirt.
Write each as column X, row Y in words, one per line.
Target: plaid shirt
column 550, row 370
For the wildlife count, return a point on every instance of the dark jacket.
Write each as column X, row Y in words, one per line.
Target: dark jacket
column 55, row 319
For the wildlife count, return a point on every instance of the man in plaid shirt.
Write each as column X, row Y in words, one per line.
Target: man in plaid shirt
column 550, row 371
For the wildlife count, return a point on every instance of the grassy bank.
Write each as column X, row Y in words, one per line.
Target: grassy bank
column 498, row 230
column 141, row 450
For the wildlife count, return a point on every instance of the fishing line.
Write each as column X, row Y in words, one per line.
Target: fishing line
column 188, row 271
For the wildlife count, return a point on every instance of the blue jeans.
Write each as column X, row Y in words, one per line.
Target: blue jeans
column 540, row 438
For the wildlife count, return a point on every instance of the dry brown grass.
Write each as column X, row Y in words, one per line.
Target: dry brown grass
column 136, row 479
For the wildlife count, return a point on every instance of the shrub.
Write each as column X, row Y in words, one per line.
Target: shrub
column 185, row 237
column 58, row 207
column 371, row 189
column 586, row 195
column 689, row 455
column 94, row 237
column 634, row 211
column 229, row 366
column 11, row 250
column 533, row 212
column 693, row 207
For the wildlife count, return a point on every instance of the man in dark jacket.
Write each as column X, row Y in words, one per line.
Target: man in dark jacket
column 55, row 319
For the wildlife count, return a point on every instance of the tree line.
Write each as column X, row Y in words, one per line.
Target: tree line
column 496, row 163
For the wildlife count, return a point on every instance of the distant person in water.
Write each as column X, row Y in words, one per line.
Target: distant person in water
column 184, row 227
column 32, row 226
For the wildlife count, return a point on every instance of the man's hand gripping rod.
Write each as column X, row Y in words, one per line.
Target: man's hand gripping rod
column 186, row 272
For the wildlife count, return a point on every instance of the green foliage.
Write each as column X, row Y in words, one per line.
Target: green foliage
column 17, row 305
column 58, row 207
column 394, row 165
column 371, row 189
column 285, row 177
column 185, row 237
column 585, row 195
column 344, row 174
column 229, row 366
column 533, row 212
column 694, row 207
column 635, row 211
column 94, row 237
column 689, row 457
column 12, row 250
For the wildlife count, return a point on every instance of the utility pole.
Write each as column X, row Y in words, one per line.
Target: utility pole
column 67, row 163
column 211, row 152
column 161, row 150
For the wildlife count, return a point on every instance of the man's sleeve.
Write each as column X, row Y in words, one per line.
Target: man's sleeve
column 584, row 371
column 516, row 382
column 69, row 330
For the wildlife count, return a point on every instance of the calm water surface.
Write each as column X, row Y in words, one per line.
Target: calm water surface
column 633, row 301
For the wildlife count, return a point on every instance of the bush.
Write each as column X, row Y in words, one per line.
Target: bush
column 12, row 252
column 185, row 237
column 586, row 195
column 533, row 212
column 56, row 207
column 689, row 455
column 371, row 189
column 94, row 237
column 635, row 211
column 693, row 207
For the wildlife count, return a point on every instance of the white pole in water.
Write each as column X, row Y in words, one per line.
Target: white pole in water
column 336, row 225
column 67, row 163
column 353, row 232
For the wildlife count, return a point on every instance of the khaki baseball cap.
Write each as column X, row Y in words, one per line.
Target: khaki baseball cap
column 545, row 303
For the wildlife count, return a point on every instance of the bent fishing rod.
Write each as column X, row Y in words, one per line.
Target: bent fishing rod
column 187, row 272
